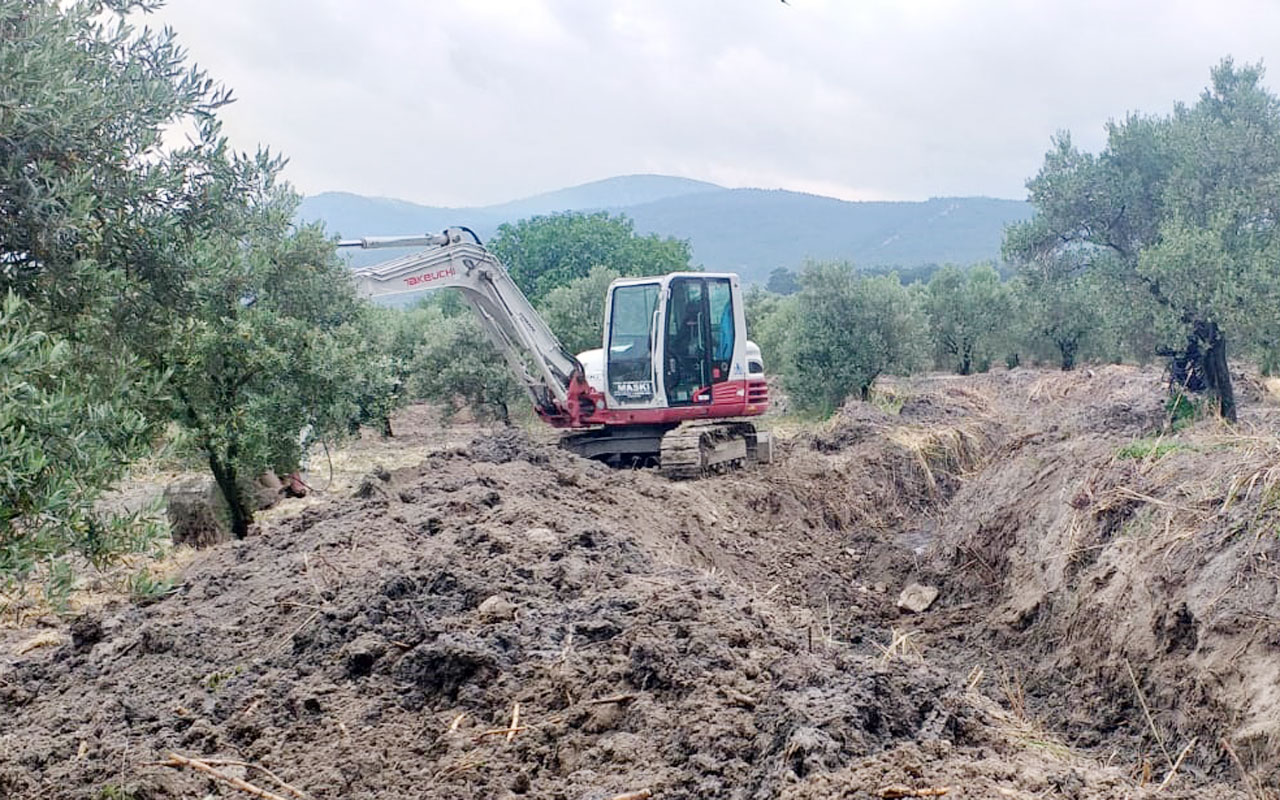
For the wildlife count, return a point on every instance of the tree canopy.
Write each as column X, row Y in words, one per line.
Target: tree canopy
column 1177, row 212
column 575, row 311
column 542, row 253
column 783, row 281
column 150, row 280
column 847, row 330
column 967, row 310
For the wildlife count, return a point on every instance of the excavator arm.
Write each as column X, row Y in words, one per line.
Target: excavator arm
column 456, row 259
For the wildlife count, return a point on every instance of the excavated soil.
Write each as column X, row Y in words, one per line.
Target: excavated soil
column 1107, row 610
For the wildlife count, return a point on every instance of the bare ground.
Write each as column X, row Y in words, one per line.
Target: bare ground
column 1107, row 611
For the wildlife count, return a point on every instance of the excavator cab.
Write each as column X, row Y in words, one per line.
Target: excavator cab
column 671, row 340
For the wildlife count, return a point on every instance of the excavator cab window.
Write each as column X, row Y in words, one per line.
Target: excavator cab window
column 687, row 366
column 720, row 295
column 630, row 344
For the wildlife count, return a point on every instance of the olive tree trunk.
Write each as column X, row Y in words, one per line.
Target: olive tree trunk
column 224, row 473
column 1213, row 360
column 1202, row 367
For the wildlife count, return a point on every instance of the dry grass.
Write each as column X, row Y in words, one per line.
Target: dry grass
column 1054, row 386
column 975, row 678
column 901, row 647
column 888, row 397
column 953, row 450
column 1016, row 726
column 1010, row 685
column 1057, row 385
column 26, row 602
column 45, row 638
column 1272, row 386
column 1210, row 476
column 1014, row 720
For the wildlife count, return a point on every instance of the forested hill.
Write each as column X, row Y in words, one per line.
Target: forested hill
column 749, row 231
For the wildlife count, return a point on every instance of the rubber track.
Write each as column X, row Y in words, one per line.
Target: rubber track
column 684, row 449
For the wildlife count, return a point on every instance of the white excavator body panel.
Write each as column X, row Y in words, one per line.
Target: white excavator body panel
column 593, row 367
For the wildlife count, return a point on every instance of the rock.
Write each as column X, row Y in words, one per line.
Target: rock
column 604, row 717
column 496, row 609
column 444, row 667
column 294, row 486
column 543, row 536
column 267, row 489
column 197, row 513
column 917, row 597
column 86, row 631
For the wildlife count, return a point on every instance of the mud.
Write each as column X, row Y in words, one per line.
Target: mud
column 734, row 637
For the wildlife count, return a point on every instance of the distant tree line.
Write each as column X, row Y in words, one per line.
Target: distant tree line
column 1163, row 245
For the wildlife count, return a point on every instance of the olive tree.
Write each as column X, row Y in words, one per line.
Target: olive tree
column 968, row 310
column 847, row 330
column 264, row 340
column 55, row 440
column 575, row 311
column 178, row 258
column 546, row 252
column 84, row 101
column 1178, row 212
column 457, row 365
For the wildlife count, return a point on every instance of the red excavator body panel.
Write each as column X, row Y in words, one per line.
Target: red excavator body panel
column 725, row 400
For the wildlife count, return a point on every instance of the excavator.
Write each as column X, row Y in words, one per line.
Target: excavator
column 675, row 384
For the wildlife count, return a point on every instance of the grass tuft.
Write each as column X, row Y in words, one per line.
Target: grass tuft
column 1150, row 449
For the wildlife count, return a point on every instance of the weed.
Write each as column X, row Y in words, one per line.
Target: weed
column 1015, row 695
column 215, row 680
column 1181, row 410
column 1150, row 449
column 113, row 791
column 888, row 400
column 146, row 588
column 58, row 584
column 110, row 539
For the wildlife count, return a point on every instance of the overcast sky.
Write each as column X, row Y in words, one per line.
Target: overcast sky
column 472, row 102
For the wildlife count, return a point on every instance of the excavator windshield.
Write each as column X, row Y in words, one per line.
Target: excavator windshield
column 630, row 345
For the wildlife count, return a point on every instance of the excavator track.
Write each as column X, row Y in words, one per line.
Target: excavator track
column 695, row 449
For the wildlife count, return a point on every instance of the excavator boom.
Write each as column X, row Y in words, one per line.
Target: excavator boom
column 456, row 259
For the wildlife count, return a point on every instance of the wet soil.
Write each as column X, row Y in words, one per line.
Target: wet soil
column 736, row 637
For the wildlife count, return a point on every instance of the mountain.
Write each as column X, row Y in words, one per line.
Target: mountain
column 623, row 191
column 749, row 231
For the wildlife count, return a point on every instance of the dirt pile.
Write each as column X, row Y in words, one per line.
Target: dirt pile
column 732, row 637
column 366, row 648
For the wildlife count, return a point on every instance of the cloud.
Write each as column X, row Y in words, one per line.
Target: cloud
column 482, row 101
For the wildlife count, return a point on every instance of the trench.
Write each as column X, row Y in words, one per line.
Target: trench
column 1097, row 604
